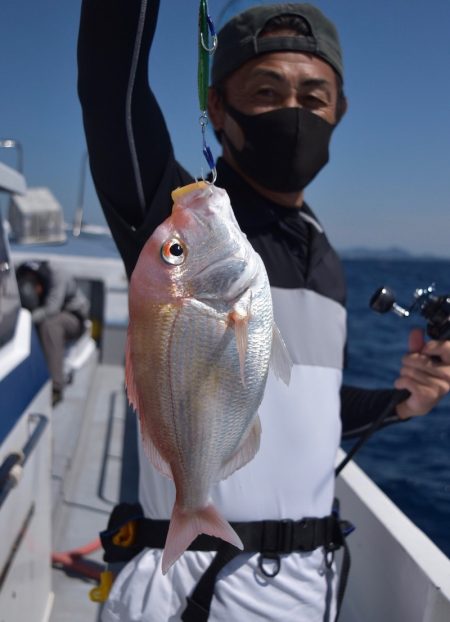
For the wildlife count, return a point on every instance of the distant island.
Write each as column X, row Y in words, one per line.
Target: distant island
column 393, row 253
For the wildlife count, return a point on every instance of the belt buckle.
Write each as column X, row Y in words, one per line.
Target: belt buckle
column 273, row 547
column 271, row 557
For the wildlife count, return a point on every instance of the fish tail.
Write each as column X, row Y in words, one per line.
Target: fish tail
column 185, row 526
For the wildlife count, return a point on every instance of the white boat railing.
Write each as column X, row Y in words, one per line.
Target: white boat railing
column 397, row 573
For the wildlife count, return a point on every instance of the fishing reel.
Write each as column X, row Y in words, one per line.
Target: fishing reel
column 435, row 309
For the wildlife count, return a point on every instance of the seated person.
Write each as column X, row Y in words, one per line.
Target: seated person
column 58, row 309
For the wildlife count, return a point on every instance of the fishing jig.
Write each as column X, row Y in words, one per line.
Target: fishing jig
column 207, row 44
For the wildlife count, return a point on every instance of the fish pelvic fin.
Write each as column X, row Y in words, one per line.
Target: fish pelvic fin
column 185, row 526
column 280, row 359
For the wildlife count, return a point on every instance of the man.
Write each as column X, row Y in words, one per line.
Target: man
column 276, row 97
column 58, row 309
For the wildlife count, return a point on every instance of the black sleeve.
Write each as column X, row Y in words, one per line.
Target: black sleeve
column 130, row 151
column 360, row 407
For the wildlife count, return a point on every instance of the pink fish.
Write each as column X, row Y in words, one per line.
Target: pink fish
column 200, row 339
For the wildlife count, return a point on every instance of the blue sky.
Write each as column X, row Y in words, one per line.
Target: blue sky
column 388, row 180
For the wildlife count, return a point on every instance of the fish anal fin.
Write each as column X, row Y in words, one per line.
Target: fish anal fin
column 185, row 526
column 246, row 451
column 154, row 456
column 280, row 359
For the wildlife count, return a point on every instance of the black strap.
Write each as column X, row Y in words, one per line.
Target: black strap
column 343, row 578
column 199, row 602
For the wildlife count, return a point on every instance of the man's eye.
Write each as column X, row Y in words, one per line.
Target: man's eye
column 313, row 101
column 266, row 93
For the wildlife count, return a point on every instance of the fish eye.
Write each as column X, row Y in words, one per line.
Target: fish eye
column 173, row 251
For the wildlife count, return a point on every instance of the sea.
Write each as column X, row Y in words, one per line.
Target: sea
column 410, row 461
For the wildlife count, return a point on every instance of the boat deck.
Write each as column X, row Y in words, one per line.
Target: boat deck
column 95, row 465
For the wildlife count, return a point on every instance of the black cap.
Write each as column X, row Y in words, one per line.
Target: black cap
column 239, row 39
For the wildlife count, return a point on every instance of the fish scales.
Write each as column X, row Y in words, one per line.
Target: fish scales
column 196, row 384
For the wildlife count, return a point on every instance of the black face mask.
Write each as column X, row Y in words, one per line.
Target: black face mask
column 284, row 149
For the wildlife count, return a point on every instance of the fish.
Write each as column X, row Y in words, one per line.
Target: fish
column 201, row 337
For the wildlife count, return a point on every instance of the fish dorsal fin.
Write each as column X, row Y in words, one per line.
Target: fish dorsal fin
column 280, row 359
column 246, row 451
column 133, row 397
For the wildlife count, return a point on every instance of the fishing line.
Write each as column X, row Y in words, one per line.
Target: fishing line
column 223, row 13
column 233, row 7
column 207, row 44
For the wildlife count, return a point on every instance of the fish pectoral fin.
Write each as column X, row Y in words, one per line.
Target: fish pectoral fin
column 239, row 318
column 280, row 359
column 240, row 325
column 246, row 450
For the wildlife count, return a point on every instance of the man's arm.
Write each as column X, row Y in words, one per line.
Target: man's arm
column 361, row 407
column 425, row 373
column 130, row 152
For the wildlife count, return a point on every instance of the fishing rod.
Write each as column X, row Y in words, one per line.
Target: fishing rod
column 436, row 310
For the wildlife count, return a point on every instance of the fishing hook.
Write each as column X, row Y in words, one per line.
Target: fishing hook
column 212, row 49
column 212, row 32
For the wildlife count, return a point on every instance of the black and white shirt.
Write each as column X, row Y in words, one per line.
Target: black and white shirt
column 292, row 476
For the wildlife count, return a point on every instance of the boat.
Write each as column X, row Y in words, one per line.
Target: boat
column 63, row 469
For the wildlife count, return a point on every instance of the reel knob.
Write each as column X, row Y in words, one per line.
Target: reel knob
column 382, row 300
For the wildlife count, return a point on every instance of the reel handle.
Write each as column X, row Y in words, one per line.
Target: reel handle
column 382, row 300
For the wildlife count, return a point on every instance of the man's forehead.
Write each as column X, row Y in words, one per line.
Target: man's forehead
column 279, row 65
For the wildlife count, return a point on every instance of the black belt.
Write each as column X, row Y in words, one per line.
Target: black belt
column 270, row 538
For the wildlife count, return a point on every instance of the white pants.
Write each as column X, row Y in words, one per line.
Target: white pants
column 303, row 590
